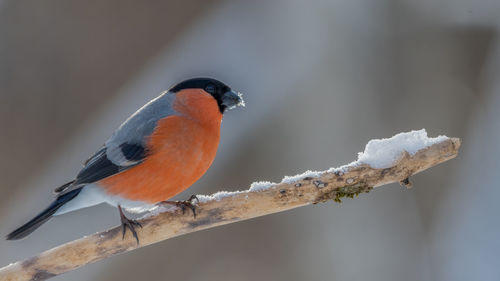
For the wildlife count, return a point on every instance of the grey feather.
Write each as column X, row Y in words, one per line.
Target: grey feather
column 138, row 127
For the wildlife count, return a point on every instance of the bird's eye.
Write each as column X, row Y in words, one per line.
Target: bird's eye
column 210, row 89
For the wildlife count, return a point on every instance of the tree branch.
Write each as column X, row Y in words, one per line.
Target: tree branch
column 229, row 207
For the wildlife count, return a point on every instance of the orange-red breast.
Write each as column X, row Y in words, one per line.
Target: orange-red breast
column 158, row 152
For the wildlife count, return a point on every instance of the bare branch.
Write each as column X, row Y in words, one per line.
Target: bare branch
column 224, row 208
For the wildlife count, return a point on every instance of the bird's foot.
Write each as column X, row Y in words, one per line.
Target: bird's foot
column 190, row 203
column 130, row 224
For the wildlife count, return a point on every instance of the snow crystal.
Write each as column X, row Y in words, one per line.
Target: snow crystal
column 261, row 185
column 158, row 209
column 256, row 186
column 217, row 196
column 241, row 103
column 383, row 153
column 10, row 265
column 311, row 174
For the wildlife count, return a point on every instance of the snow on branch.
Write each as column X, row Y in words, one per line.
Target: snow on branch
column 383, row 161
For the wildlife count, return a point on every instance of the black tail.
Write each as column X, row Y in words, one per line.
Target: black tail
column 43, row 217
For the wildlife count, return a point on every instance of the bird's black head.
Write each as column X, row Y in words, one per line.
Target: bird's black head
column 225, row 97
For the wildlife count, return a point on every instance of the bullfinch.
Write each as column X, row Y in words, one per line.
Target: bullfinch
column 158, row 152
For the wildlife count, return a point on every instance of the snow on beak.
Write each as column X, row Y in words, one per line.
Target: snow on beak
column 232, row 99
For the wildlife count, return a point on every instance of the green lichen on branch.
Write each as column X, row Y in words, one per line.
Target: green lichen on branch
column 349, row 191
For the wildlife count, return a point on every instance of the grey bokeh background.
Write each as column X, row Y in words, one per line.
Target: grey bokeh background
column 321, row 78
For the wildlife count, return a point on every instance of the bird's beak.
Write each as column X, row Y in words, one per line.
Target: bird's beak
column 232, row 99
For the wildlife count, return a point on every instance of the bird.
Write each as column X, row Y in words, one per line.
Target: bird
column 158, row 152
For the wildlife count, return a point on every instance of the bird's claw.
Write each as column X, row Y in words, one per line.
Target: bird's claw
column 130, row 224
column 190, row 203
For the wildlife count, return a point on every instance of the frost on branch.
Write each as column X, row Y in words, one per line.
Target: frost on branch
column 378, row 154
column 384, row 153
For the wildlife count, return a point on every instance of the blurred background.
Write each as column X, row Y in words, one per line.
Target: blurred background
column 320, row 78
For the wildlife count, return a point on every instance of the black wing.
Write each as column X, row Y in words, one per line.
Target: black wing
column 99, row 166
column 133, row 152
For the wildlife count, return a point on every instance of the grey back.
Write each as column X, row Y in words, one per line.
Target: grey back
column 136, row 129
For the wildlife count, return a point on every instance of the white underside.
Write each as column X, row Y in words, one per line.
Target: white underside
column 92, row 195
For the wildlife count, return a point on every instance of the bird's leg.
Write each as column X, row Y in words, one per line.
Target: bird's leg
column 130, row 224
column 190, row 203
